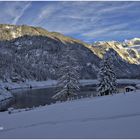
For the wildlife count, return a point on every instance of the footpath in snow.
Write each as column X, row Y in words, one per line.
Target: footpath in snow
column 116, row 116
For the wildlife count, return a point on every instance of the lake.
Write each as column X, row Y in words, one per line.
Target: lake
column 36, row 97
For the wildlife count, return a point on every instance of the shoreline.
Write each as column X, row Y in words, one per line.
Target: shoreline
column 52, row 83
column 7, row 88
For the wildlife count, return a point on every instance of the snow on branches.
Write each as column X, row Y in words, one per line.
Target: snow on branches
column 68, row 75
column 106, row 76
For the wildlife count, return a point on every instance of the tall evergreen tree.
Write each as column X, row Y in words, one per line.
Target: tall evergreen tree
column 106, row 76
column 68, row 75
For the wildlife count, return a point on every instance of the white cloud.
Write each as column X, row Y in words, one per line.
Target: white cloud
column 105, row 30
column 86, row 19
column 45, row 12
column 12, row 11
column 18, row 16
column 68, row 17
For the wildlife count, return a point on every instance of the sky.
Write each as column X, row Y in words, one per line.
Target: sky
column 87, row 21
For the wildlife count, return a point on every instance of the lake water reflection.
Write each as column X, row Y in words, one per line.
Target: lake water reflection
column 36, row 97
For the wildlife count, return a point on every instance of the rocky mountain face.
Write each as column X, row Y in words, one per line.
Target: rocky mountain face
column 126, row 50
column 34, row 53
column 132, row 42
column 133, row 47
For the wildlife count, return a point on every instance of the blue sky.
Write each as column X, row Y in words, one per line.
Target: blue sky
column 87, row 21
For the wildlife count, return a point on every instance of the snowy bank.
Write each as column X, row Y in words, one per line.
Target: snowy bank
column 116, row 116
column 5, row 99
column 119, row 81
column 52, row 83
column 28, row 84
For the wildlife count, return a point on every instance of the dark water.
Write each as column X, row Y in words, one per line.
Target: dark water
column 32, row 97
column 36, row 97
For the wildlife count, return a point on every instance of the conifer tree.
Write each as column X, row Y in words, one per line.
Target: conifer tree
column 68, row 75
column 106, row 76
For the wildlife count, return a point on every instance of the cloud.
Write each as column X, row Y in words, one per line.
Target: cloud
column 18, row 16
column 44, row 13
column 81, row 19
column 11, row 12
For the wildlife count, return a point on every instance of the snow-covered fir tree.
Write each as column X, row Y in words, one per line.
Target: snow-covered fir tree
column 106, row 76
column 68, row 75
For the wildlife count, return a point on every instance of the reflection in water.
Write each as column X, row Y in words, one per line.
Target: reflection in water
column 36, row 97
column 33, row 98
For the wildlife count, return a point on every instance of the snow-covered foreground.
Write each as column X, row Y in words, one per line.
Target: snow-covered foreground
column 116, row 116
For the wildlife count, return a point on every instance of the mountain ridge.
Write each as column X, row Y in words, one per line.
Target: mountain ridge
column 33, row 31
column 9, row 32
column 33, row 54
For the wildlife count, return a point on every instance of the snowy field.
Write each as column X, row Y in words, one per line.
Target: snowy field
column 116, row 116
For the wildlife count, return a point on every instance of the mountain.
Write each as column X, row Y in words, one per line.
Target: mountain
column 133, row 42
column 124, row 50
column 133, row 47
column 34, row 53
column 9, row 32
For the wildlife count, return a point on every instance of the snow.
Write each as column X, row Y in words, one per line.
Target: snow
column 5, row 98
column 14, row 35
column 116, row 116
column 8, row 27
column 52, row 83
column 128, row 81
column 4, row 94
column 131, row 87
column 138, row 86
column 106, row 75
column 17, row 43
column 119, row 81
column 28, row 84
column 68, row 76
